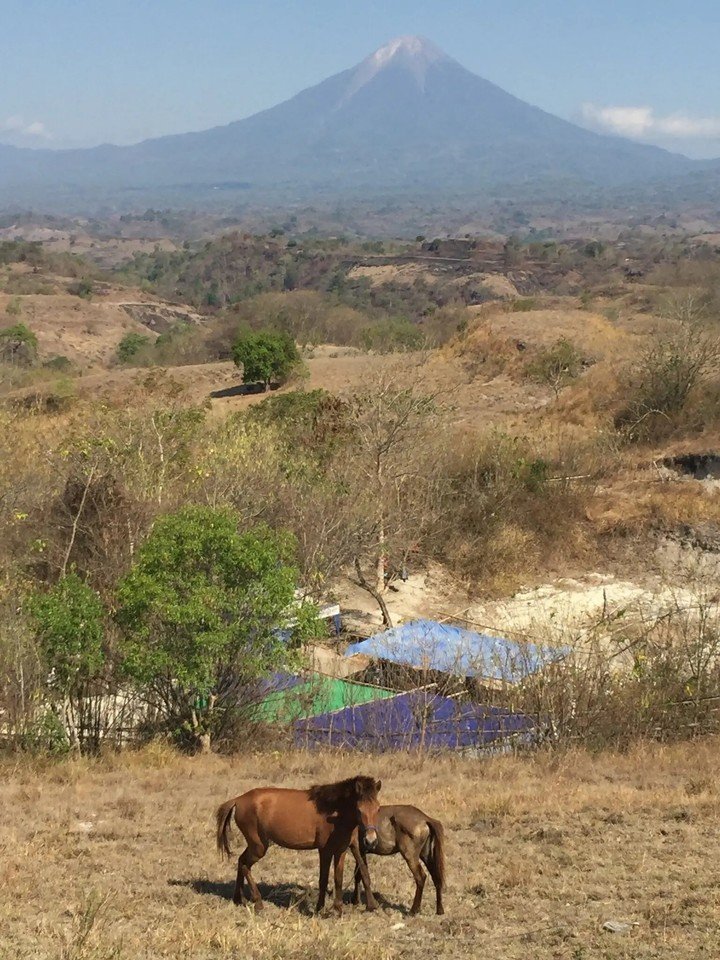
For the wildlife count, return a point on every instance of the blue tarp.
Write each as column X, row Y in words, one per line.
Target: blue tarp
column 417, row 719
column 449, row 649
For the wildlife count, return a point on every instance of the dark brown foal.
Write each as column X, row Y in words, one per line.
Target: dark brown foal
column 416, row 837
column 323, row 818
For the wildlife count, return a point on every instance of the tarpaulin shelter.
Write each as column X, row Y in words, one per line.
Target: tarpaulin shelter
column 418, row 719
column 446, row 648
column 288, row 698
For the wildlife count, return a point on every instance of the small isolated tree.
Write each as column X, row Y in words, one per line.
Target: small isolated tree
column 391, row 475
column 68, row 621
column 556, row 366
column 130, row 346
column 266, row 357
column 200, row 613
column 18, row 345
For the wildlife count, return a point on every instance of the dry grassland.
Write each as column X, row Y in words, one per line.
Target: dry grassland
column 116, row 859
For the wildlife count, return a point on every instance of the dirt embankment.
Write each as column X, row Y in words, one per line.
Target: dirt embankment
column 88, row 331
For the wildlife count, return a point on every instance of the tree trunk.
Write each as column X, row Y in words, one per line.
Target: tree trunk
column 71, row 730
column 381, row 559
column 377, row 596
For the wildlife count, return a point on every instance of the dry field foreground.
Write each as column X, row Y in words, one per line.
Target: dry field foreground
column 116, row 859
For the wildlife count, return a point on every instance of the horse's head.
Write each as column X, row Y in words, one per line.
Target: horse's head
column 368, row 806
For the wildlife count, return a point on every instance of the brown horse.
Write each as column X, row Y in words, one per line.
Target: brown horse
column 411, row 833
column 323, row 818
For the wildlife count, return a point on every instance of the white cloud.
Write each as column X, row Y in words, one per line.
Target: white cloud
column 642, row 123
column 36, row 128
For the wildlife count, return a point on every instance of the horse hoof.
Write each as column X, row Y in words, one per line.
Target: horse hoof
column 258, row 906
column 371, row 907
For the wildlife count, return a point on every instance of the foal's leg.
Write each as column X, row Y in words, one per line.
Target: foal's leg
column 356, row 889
column 410, row 855
column 439, row 909
column 362, row 873
column 339, row 867
column 325, row 858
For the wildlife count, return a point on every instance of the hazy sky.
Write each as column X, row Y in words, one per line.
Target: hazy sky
column 82, row 72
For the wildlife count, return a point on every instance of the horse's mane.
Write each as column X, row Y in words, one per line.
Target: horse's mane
column 330, row 796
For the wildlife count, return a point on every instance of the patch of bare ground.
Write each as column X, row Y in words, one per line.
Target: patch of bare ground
column 116, row 858
column 475, row 401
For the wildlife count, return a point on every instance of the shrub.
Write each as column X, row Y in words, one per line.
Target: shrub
column 659, row 386
column 130, row 346
column 14, row 307
column 556, row 366
column 81, row 288
column 61, row 364
column 388, row 336
column 312, row 420
column 523, row 305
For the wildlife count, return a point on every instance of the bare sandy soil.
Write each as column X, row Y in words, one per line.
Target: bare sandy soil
column 116, row 859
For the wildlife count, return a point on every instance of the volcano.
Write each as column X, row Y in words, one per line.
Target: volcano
column 407, row 118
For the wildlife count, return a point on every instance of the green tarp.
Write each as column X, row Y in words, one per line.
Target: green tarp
column 316, row 695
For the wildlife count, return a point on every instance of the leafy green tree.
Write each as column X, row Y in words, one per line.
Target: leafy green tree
column 266, row 357
column 69, row 622
column 200, row 613
column 130, row 345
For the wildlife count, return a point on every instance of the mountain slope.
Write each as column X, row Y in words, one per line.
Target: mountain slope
column 406, row 117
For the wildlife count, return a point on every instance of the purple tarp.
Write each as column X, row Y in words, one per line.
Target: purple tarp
column 417, row 719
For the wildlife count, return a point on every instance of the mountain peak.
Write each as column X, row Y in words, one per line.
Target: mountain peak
column 414, row 54
column 408, row 47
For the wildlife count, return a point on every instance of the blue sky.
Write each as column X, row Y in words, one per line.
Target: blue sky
column 81, row 72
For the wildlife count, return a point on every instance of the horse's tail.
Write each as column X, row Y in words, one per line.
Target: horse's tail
column 223, row 818
column 436, row 856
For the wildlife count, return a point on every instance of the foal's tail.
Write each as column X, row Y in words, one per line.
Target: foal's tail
column 436, row 856
column 223, row 818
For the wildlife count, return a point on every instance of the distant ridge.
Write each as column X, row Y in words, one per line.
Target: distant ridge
column 407, row 118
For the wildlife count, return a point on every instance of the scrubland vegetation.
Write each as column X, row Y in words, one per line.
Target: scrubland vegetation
column 394, row 469
column 509, row 422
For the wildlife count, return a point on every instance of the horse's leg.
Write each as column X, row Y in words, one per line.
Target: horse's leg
column 339, row 870
column 325, row 859
column 254, row 851
column 239, row 896
column 361, row 871
column 410, row 855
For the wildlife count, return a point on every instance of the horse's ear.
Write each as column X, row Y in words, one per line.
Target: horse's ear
column 378, row 784
column 358, row 787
